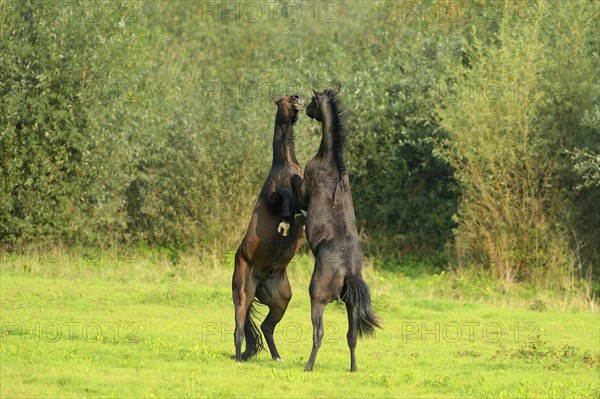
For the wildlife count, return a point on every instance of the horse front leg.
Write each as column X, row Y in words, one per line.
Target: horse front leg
column 296, row 182
column 281, row 198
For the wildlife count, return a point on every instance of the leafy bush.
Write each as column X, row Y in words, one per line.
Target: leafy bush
column 150, row 123
column 507, row 143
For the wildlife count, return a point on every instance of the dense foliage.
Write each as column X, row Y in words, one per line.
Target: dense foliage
column 474, row 126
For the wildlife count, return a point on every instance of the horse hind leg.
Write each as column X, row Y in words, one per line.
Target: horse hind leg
column 352, row 335
column 240, row 319
column 361, row 318
column 321, row 289
column 243, row 294
column 276, row 294
column 316, row 310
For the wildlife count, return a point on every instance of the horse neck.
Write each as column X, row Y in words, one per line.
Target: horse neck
column 326, row 147
column 283, row 144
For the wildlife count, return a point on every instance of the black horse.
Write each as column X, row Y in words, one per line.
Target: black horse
column 271, row 241
column 331, row 229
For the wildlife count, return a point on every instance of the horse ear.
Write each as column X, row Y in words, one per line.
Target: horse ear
column 316, row 94
column 276, row 102
column 336, row 90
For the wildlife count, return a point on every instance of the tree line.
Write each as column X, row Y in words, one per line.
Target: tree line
column 473, row 125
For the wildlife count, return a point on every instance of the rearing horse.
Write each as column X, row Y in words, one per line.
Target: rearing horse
column 331, row 229
column 271, row 241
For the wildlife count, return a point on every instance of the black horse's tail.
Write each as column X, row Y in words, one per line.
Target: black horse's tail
column 254, row 342
column 357, row 297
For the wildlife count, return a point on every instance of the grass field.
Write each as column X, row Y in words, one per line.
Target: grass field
column 148, row 328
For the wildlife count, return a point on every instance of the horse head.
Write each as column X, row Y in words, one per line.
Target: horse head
column 288, row 108
column 320, row 98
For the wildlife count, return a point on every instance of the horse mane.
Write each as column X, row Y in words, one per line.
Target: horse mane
column 340, row 127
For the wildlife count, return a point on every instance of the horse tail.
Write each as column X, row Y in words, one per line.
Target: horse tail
column 358, row 299
column 254, row 342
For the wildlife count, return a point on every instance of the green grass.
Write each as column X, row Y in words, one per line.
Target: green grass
column 144, row 327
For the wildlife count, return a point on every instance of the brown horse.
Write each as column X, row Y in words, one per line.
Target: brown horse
column 271, row 241
column 331, row 229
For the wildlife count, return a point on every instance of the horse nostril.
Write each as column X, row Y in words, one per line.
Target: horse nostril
column 296, row 97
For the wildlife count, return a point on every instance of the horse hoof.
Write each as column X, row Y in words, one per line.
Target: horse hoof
column 278, row 359
column 283, row 228
column 299, row 219
column 234, row 357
